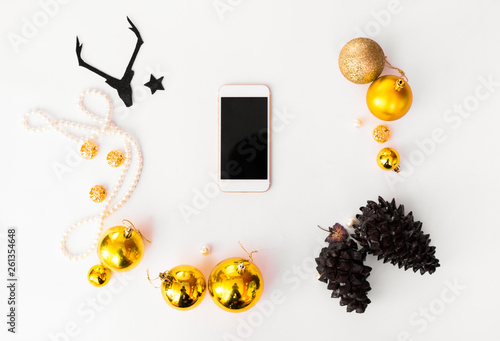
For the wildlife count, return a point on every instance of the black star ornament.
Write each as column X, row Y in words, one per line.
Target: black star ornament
column 155, row 84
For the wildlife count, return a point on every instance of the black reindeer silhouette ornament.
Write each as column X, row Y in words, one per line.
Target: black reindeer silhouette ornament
column 121, row 85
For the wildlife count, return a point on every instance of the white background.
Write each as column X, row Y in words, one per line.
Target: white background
column 323, row 168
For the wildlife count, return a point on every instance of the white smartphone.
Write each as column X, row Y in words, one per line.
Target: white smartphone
column 244, row 138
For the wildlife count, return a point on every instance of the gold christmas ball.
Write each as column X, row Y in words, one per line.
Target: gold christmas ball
column 235, row 284
column 381, row 134
column 389, row 98
column 183, row 287
column 120, row 248
column 99, row 275
column 361, row 60
column 388, row 159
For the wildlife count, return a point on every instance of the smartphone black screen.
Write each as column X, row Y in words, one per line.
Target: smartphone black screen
column 244, row 138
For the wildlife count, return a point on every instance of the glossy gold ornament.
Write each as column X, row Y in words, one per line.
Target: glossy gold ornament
column 98, row 193
column 388, row 159
column 361, row 60
column 389, row 98
column 381, row 134
column 183, row 287
column 120, row 248
column 89, row 150
column 235, row 284
column 99, row 275
column 115, row 158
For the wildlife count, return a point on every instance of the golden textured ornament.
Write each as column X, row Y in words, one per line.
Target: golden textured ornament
column 121, row 248
column 99, row 275
column 98, row 193
column 388, row 159
column 115, row 158
column 89, row 150
column 389, row 98
column 381, row 134
column 235, row 284
column 183, row 287
column 361, row 60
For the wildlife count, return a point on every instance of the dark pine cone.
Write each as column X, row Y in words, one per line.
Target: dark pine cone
column 341, row 266
column 385, row 231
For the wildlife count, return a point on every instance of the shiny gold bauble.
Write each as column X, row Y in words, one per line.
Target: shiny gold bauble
column 235, row 284
column 381, row 134
column 99, row 275
column 388, row 159
column 361, row 60
column 389, row 98
column 183, row 287
column 120, row 248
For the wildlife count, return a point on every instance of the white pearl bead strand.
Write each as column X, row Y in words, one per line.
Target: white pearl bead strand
column 106, row 127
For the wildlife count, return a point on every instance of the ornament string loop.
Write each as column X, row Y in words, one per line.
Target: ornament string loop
column 104, row 127
column 401, row 72
column 130, row 227
column 248, row 253
column 154, row 279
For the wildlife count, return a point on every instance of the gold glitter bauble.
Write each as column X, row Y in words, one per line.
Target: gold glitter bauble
column 183, row 287
column 381, row 134
column 89, row 150
column 115, row 158
column 388, row 159
column 120, row 248
column 99, row 275
column 235, row 284
column 389, row 98
column 98, row 193
column 361, row 60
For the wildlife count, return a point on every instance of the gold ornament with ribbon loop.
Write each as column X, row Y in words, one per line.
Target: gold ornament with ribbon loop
column 236, row 284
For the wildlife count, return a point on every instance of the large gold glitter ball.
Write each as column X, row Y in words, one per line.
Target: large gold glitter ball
column 183, row 287
column 89, row 150
column 388, row 159
column 99, row 275
column 389, row 98
column 235, row 284
column 120, row 248
column 361, row 60
column 98, row 193
column 115, row 158
column 381, row 134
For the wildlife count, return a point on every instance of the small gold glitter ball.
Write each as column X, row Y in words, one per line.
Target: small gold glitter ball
column 89, row 150
column 381, row 134
column 388, row 159
column 99, row 275
column 98, row 193
column 361, row 60
column 115, row 158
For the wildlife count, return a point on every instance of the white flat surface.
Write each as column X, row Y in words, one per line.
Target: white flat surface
column 323, row 167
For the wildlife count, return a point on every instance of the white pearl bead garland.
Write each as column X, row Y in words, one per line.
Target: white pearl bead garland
column 106, row 127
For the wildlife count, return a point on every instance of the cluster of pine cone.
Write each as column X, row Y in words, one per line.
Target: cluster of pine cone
column 382, row 229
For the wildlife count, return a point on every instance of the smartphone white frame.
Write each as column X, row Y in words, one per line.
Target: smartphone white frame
column 246, row 90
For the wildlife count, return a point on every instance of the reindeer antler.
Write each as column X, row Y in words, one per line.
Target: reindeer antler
column 121, row 85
